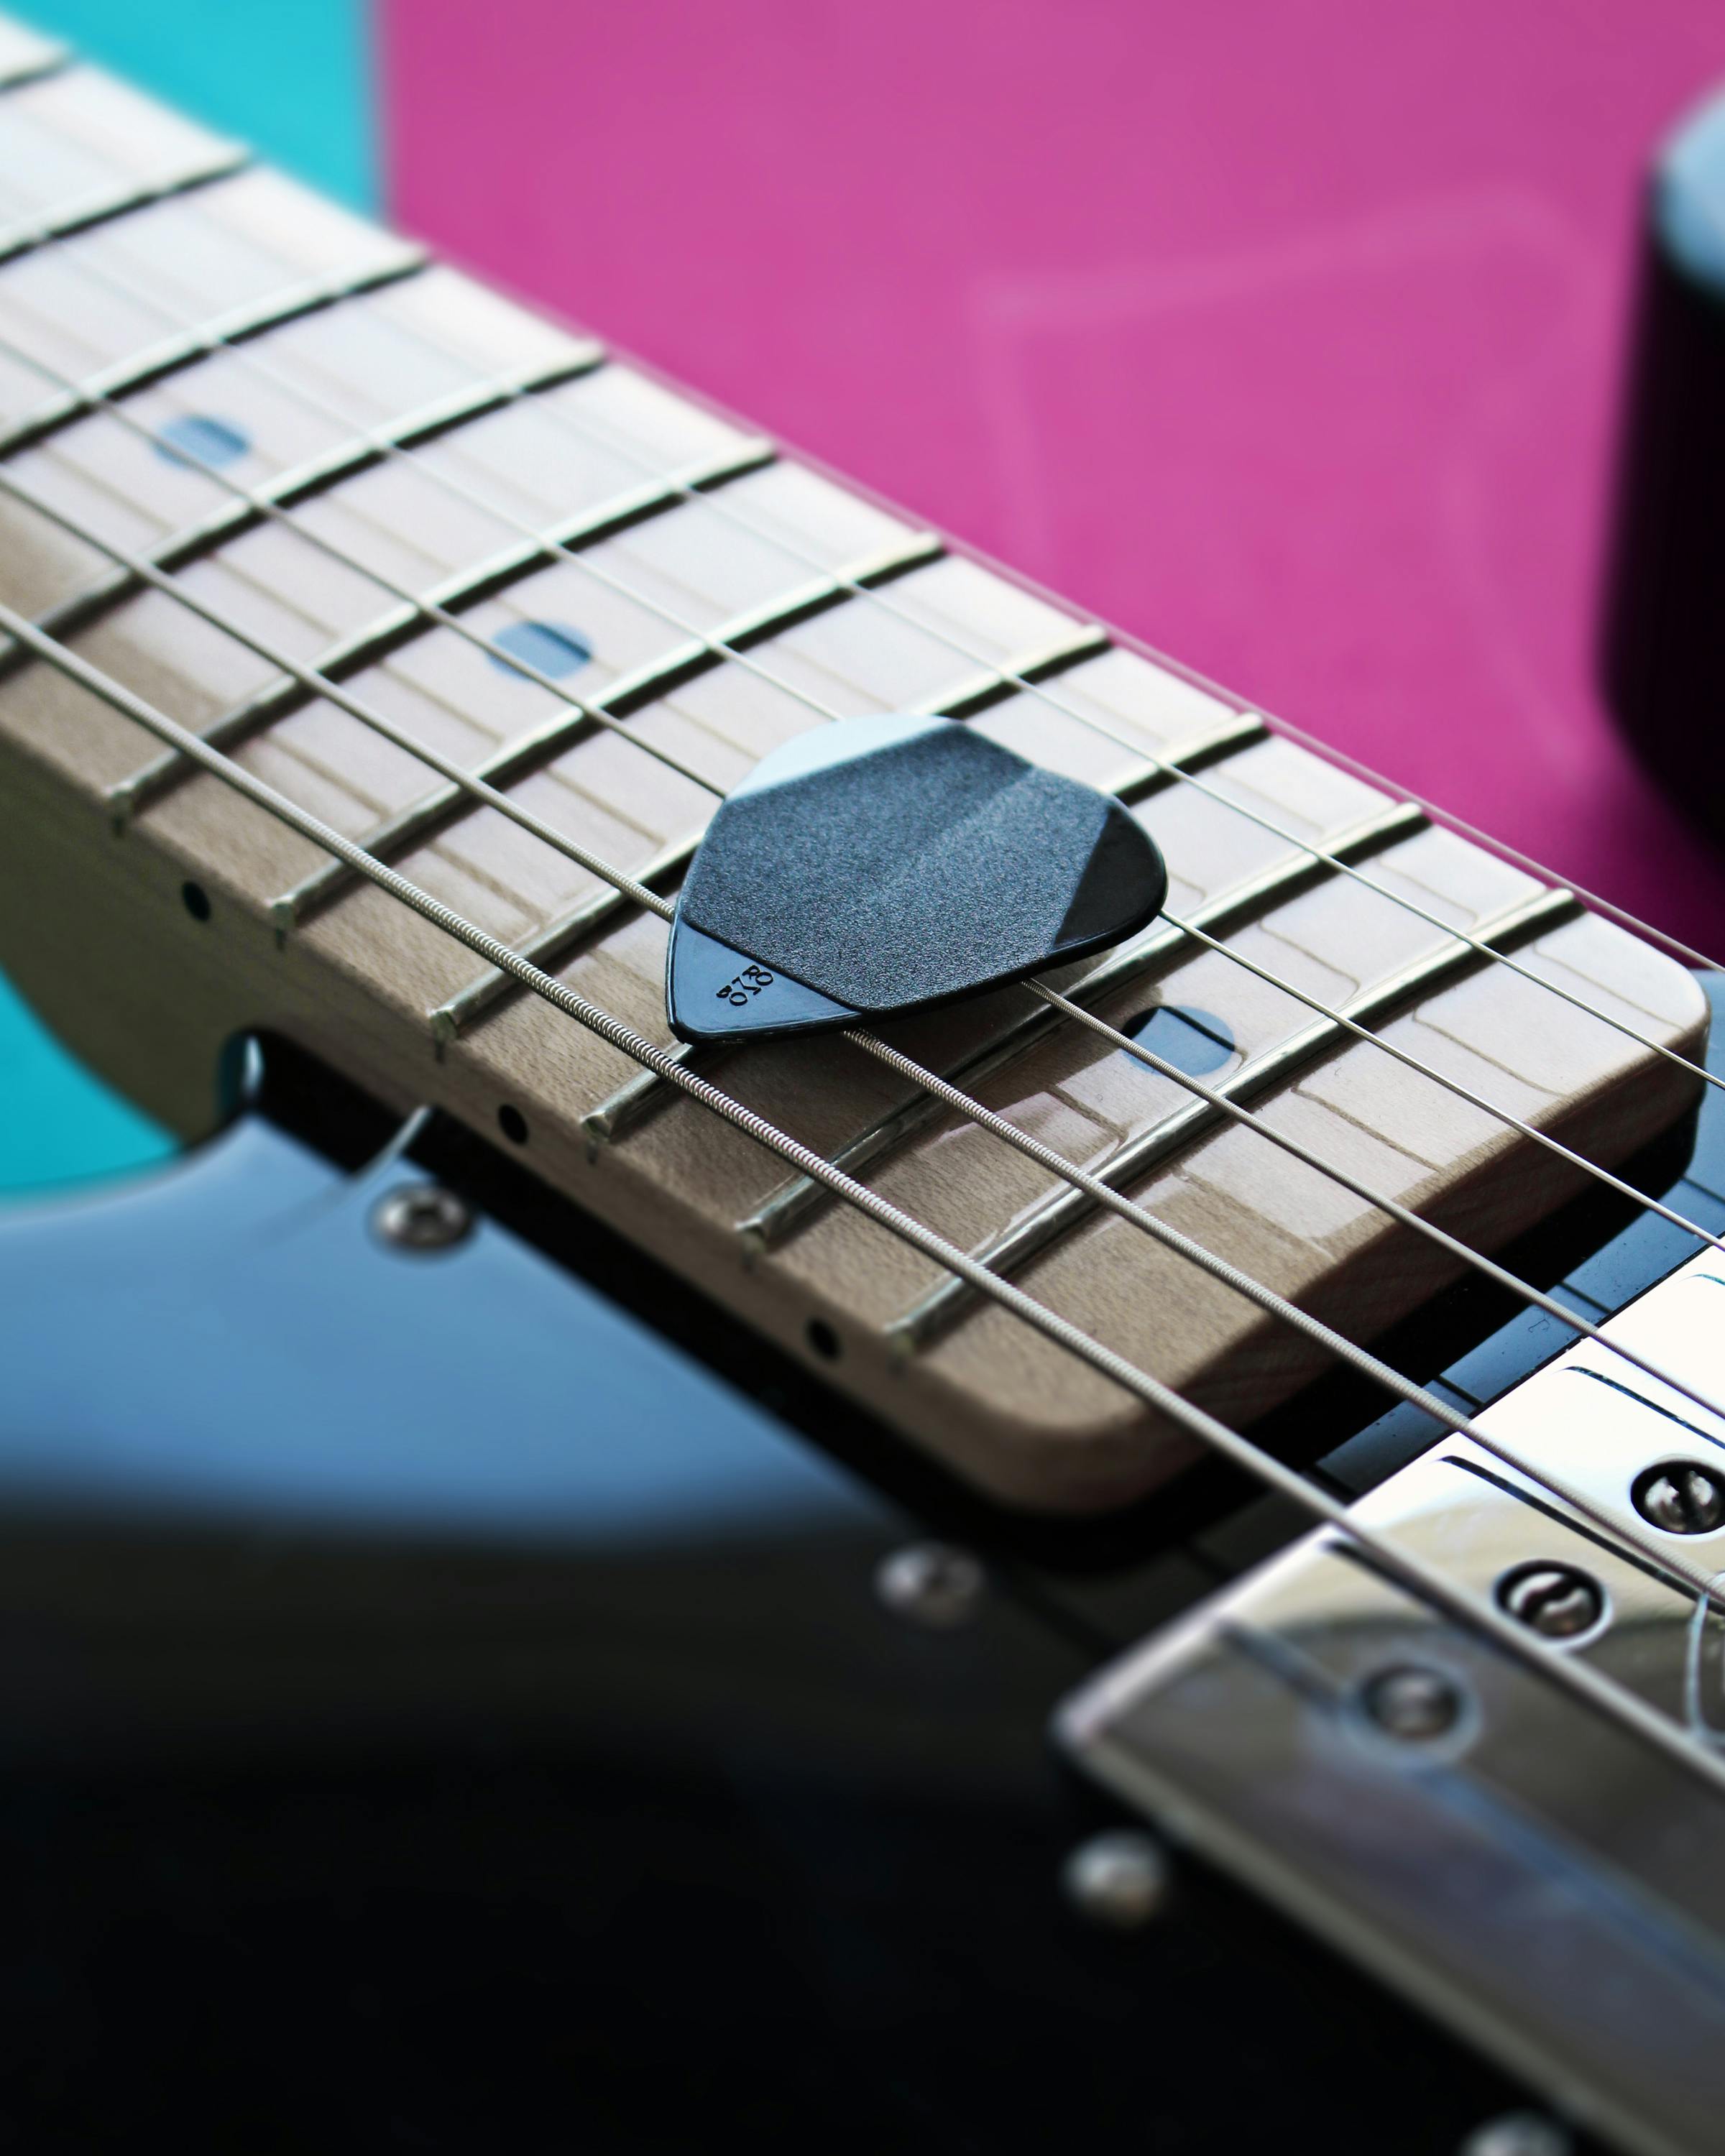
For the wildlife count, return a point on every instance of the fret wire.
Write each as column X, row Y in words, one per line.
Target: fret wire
column 1640, row 1199
column 1026, row 683
column 363, row 648
column 1022, row 676
column 321, row 686
column 1027, row 1238
column 102, row 209
column 1448, row 820
column 428, row 610
column 209, row 532
column 1032, row 689
column 1249, row 1119
column 516, row 759
column 53, row 60
column 1476, row 1612
column 638, row 892
column 1709, row 1585
column 721, row 646
column 552, row 943
column 224, row 332
column 450, row 1018
column 788, row 1208
column 1248, row 899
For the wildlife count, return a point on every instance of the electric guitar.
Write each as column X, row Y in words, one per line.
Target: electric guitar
column 1174, row 1595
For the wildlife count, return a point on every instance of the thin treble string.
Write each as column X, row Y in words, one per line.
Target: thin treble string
column 479, row 790
column 319, row 685
column 1446, row 818
column 595, row 431
column 1476, row 1611
column 1709, row 1585
column 652, row 901
column 608, row 437
column 244, row 352
column 1505, row 1115
column 135, row 564
column 429, row 609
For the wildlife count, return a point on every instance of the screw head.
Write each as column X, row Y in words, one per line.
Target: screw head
column 1557, row 1601
column 1681, row 1497
column 931, row 1584
column 1119, row 1880
column 421, row 1217
column 1517, row 2133
column 1413, row 1702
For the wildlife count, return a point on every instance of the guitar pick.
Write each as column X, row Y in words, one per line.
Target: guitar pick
column 875, row 866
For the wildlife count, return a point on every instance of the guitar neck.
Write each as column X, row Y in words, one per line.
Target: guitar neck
column 511, row 616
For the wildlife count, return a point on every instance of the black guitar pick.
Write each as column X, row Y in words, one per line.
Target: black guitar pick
column 874, row 865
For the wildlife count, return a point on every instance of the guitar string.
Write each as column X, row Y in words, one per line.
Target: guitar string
column 1036, row 692
column 927, row 1080
column 148, row 572
column 1081, row 1179
column 261, row 504
column 244, row 352
column 1616, row 1184
column 244, row 349
column 1424, row 1580
column 135, row 565
column 928, row 1077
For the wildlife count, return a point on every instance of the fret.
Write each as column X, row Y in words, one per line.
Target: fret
column 1030, row 1021
column 563, row 735
column 1212, row 852
column 99, row 474
column 307, row 299
column 77, row 148
column 82, row 213
column 1056, row 1215
column 1012, row 1020
column 707, row 609
column 669, row 718
column 238, row 250
column 1117, row 1111
column 25, row 57
column 387, row 632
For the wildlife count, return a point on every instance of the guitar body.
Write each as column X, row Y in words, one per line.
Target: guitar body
column 1130, row 1554
column 368, row 1787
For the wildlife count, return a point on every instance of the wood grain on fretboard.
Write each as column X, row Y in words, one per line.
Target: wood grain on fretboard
column 689, row 534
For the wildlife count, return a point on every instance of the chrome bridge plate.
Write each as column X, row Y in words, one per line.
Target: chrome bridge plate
column 1533, row 1872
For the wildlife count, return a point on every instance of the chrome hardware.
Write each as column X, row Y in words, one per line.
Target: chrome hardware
column 1557, row 1601
column 1118, row 1880
column 1413, row 1703
column 1681, row 1497
column 1524, row 1867
column 933, row 1584
column 422, row 1217
column 1517, row 2133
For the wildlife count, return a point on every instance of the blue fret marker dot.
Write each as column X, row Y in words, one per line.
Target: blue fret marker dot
column 195, row 438
column 549, row 647
column 1194, row 1041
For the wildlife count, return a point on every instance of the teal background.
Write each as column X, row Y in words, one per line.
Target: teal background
column 293, row 78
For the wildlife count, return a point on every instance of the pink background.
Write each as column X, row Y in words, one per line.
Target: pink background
column 1285, row 335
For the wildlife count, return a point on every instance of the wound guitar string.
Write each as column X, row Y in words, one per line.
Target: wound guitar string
column 665, row 1064
column 1476, row 1611
column 867, row 593
column 1077, row 1179
column 683, row 490
column 317, row 682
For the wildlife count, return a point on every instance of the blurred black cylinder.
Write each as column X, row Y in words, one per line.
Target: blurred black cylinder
column 1664, row 647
